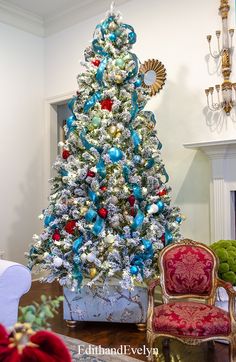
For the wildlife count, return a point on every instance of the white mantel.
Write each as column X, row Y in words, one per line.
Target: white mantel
column 222, row 155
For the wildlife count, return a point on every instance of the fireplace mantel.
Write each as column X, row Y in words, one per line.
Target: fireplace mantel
column 222, row 155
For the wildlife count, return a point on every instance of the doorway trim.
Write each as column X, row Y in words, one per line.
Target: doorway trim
column 49, row 139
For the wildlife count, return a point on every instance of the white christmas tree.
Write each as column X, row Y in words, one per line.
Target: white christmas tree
column 109, row 212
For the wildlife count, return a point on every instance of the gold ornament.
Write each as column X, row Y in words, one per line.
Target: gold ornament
column 112, row 130
column 112, row 26
column 154, row 75
column 83, row 210
column 118, row 79
column 92, row 272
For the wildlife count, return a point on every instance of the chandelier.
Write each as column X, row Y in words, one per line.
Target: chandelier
column 222, row 97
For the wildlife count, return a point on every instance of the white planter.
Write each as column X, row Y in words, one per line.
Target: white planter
column 113, row 305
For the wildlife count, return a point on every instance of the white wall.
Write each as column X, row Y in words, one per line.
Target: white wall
column 21, row 95
column 174, row 32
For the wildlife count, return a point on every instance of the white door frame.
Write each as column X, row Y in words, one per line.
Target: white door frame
column 49, row 139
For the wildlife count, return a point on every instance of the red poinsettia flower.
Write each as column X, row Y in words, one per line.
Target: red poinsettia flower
column 40, row 346
column 106, row 104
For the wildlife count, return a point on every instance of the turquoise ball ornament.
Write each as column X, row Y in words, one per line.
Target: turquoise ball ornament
column 96, row 121
column 168, row 237
column 115, row 154
column 133, row 270
column 178, row 219
column 120, row 63
column 132, row 37
column 160, row 205
column 112, row 37
column 138, row 83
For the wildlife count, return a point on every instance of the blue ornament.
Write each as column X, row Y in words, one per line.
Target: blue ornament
column 168, row 237
column 132, row 37
column 147, row 243
column 63, row 172
column 77, row 244
column 137, row 159
column 138, row 83
column 133, row 270
column 178, row 219
column 160, row 205
column 115, row 154
column 48, row 219
column 112, row 37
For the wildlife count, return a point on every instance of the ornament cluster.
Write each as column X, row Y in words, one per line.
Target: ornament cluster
column 110, row 209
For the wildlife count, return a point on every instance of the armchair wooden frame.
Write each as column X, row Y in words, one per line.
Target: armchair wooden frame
column 208, row 299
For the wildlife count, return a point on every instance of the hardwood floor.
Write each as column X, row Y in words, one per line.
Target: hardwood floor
column 116, row 334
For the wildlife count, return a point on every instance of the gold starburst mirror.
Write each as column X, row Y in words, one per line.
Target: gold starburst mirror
column 154, row 75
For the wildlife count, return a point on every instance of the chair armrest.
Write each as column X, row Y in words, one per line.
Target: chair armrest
column 231, row 294
column 151, row 288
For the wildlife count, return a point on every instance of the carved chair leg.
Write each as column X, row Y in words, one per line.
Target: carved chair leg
column 232, row 350
column 141, row 327
column 71, row 324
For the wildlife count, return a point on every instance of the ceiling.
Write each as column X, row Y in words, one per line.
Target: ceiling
column 45, row 17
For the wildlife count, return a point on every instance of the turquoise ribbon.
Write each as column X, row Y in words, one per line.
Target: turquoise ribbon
column 137, row 192
column 135, row 138
column 126, row 172
column 101, row 168
column 138, row 220
column 71, row 104
column 98, row 48
column 134, row 71
column 86, row 143
column 98, row 226
column 91, row 101
column 150, row 163
column 77, row 244
column 134, row 107
column 90, row 215
column 100, row 71
column 93, row 196
column 166, row 175
column 159, row 146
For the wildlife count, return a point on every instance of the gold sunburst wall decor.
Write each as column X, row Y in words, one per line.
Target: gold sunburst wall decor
column 154, row 75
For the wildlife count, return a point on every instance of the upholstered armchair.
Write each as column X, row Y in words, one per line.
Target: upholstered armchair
column 188, row 279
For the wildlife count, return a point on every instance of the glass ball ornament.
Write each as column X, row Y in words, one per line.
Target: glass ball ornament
column 91, row 257
column 178, row 219
column 96, row 121
column 92, row 272
column 112, row 130
column 112, row 26
column 57, row 262
column 133, row 270
column 112, row 37
column 160, row 205
column 115, row 154
column 132, row 37
column 83, row 257
column 138, row 83
column 120, row 63
column 118, row 78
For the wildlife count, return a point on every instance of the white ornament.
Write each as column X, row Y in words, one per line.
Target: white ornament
column 61, row 144
column 153, row 209
column 41, row 217
column 83, row 257
column 91, row 257
column 57, row 262
column 110, row 239
column 144, row 191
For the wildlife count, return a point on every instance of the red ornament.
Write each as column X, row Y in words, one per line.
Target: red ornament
column 41, row 346
column 70, row 226
column 56, row 236
column 96, row 62
column 163, row 238
column 162, row 192
column 131, row 200
column 103, row 212
column 90, row 173
column 65, row 154
column 103, row 188
column 132, row 211
column 106, row 104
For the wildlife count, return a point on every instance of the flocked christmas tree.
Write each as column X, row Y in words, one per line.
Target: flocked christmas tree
column 109, row 212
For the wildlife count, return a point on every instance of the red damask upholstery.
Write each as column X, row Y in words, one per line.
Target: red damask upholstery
column 188, row 270
column 191, row 319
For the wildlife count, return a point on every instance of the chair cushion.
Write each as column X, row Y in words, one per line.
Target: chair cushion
column 191, row 319
column 188, row 270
